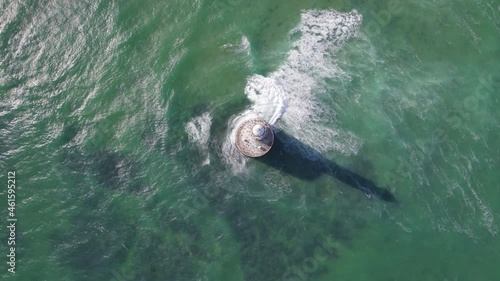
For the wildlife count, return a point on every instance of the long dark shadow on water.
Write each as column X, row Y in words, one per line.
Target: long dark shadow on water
column 302, row 161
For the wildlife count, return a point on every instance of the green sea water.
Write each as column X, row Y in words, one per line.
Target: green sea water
column 116, row 117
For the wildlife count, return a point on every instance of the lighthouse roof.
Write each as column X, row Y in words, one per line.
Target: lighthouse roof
column 258, row 130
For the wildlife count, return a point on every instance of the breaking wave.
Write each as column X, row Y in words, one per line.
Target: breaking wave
column 198, row 130
column 288, row 97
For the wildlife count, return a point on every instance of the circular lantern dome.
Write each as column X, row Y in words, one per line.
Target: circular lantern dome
column 258, row 130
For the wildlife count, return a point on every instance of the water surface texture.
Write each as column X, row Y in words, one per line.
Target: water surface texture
column 117, row 117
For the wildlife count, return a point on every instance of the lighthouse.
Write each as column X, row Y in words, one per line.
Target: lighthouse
column 254, row 137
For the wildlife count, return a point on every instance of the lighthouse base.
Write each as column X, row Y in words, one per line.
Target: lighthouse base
column 249, row 144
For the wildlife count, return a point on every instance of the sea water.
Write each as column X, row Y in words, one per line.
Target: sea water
column 118, row 119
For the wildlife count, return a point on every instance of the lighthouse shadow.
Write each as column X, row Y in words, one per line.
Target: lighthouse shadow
column 293, row 157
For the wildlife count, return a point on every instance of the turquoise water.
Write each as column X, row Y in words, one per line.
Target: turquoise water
column 117, row 118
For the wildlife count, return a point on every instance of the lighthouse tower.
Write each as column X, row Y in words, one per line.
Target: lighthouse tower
column 254, row 137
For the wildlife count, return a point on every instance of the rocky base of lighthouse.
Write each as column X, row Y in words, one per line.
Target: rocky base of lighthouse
column 254, row 137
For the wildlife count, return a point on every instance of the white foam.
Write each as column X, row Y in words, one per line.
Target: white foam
column 245, row 45
column 268, row 97
column 198, row 130
column 309, row 63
